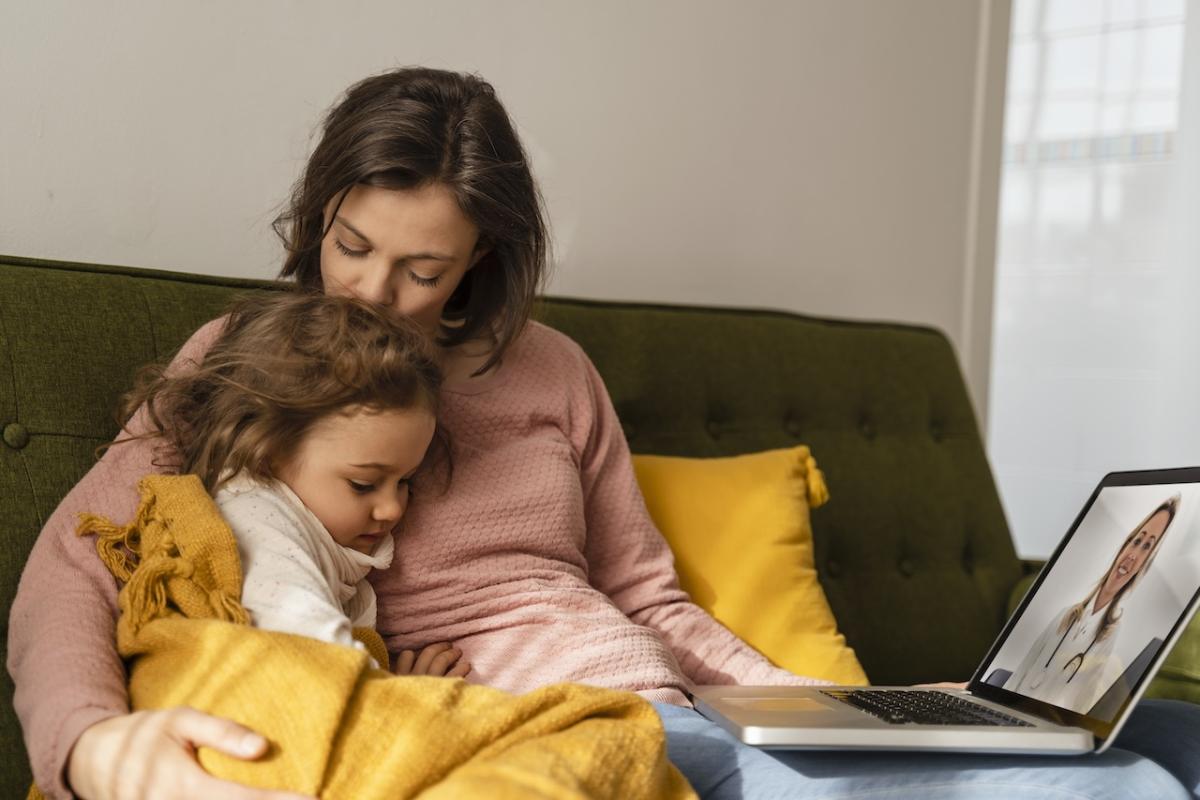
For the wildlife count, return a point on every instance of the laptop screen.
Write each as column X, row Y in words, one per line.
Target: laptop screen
column 1103, row 609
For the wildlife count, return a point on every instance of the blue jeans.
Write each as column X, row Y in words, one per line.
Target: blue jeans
column 1156, row 757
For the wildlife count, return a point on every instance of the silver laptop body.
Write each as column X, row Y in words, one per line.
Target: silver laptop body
column 1066, row 671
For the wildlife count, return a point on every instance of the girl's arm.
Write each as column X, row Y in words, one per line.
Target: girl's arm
column 284, row 587
column 629, row 560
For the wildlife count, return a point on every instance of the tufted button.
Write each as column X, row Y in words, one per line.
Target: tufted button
column 714, row 428
column 792, row 426
column 907, row 567
column 628, row 430
column 833, row 568
column 935, row 430
column 866, row 428
column 16, row 435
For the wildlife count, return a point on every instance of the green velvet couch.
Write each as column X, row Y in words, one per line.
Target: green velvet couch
column 913, row 550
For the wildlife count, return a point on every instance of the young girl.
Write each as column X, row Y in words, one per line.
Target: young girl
column 307, row 420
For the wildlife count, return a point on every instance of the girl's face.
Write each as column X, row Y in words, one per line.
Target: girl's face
column 1136, row 553
column 353, row 470
column 404, row 249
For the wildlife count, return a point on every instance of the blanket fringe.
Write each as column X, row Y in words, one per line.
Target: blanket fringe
column 146, row 591
column 119, row 546
column 153, row 577
column 228, row 608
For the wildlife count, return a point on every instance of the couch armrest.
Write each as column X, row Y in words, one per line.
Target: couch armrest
column 1179, row 677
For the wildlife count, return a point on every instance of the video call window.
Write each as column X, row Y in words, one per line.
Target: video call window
column 1101, row 615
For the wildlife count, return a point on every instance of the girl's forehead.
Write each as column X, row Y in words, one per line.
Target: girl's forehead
column 361, row 420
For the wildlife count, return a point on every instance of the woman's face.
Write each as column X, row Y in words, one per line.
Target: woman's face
column 1136, row 552
column 404, row 249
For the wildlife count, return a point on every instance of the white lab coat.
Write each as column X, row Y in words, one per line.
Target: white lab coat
column 1047, row 673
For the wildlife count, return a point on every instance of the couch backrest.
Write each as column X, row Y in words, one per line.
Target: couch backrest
column 913, row 549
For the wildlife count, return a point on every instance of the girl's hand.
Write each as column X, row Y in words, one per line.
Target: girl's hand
column 152, row 754
column 441, row 660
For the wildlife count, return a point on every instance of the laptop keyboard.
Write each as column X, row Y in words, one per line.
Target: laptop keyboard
column 922, row 708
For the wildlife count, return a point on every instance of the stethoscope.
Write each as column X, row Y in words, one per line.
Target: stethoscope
column 1077, row 659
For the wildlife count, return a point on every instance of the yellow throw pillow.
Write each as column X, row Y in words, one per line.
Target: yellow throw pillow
column 740, row 531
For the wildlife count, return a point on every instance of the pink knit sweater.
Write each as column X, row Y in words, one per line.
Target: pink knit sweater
column 539, row 561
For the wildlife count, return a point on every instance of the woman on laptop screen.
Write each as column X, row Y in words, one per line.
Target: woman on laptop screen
column 1072, row 663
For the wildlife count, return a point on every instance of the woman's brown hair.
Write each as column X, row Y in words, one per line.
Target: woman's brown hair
column 283, row 361
column 410, row 127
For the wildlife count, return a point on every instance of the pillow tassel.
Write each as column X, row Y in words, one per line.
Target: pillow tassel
column 818, row 492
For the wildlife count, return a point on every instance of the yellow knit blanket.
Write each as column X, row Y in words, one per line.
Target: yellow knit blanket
column 338, row 728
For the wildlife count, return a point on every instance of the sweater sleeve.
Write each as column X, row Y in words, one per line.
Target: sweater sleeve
column 62, row 653
column 630, row 561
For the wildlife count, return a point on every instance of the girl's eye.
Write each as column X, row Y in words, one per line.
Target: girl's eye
column 428, row 283
column 346, row 251
column 361, row 488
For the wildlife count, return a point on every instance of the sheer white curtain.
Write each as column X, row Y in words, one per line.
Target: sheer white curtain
column 1096, row 347
column 1179, row 407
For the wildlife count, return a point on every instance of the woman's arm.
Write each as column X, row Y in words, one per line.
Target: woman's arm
column 62, row 636
column 630, row 561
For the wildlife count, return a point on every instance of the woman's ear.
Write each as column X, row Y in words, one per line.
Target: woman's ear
column 482, row 248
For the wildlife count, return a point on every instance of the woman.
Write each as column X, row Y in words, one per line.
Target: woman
column 540, row 561
column 1072, row 663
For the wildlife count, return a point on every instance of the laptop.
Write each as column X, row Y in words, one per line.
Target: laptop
column 1065, row 672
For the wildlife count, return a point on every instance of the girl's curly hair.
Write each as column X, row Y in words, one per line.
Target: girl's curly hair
column 283, row 361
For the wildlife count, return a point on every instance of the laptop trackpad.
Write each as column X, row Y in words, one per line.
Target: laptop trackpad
column 791, row 704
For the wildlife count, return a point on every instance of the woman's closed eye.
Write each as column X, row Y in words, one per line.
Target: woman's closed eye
column 346, row 251
column 421, row 280
column 427, row 282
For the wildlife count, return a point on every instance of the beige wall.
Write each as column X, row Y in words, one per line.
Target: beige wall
column 834, row 157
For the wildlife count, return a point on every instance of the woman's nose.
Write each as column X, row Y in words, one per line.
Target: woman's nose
column 375, row 286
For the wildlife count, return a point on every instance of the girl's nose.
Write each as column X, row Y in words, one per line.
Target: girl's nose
column 391, row 509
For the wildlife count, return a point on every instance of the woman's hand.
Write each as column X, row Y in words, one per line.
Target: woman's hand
column 152, row 754
column 942, row 685
column 441, row 660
